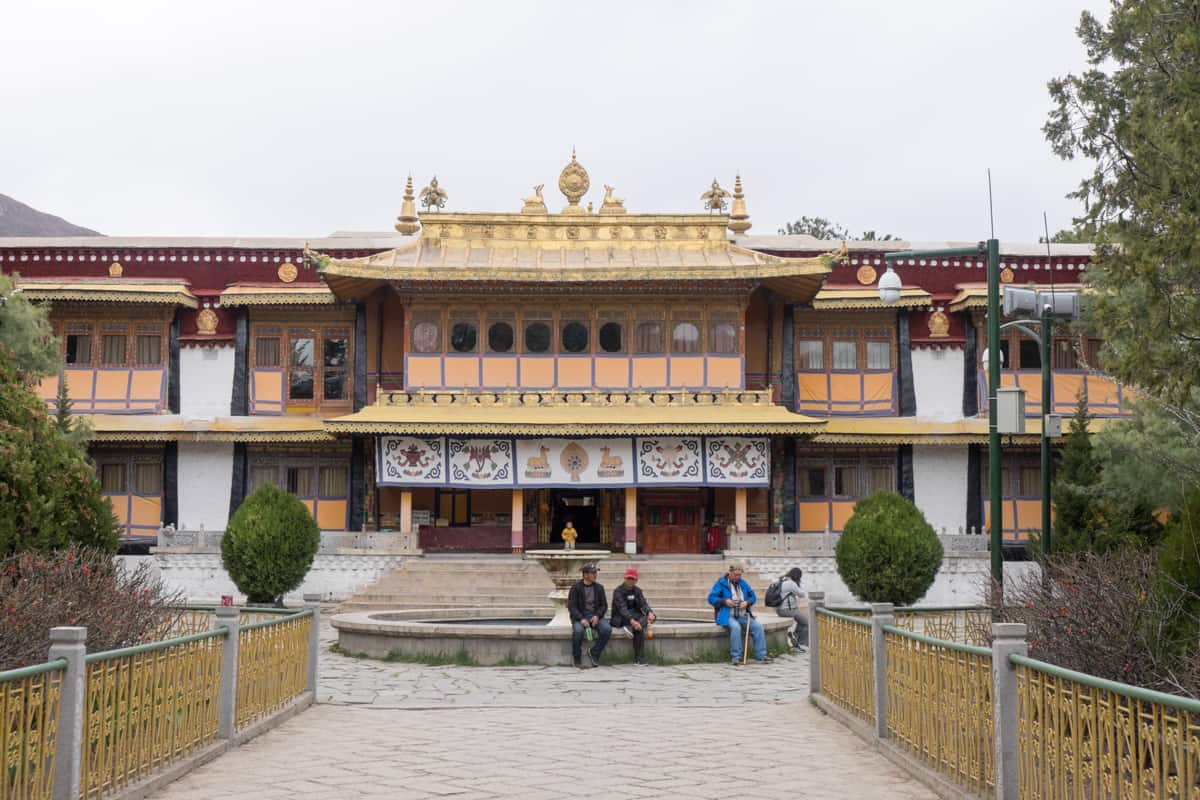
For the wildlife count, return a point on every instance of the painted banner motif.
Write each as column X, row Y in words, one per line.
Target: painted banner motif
column 737, row 461
column 411, row 461
column 561, row 462
column 670, row 460
column 575, row 462
column 481, row 462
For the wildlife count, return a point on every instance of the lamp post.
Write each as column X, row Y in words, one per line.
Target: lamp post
column 990, row 248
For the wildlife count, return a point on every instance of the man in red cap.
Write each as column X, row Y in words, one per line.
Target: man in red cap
column 631, row 610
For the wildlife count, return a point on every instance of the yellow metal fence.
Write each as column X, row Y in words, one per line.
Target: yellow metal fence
column 28, row 730
column 844, row 650
column 272, row 665
column 939, row 705
column 1083, row 738
column 147, row 706
column 963, row 624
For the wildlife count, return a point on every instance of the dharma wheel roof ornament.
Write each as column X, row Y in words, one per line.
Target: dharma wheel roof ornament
column 433, row 197
column 739, row 219
column 714, row 198
column 407, row 221
column 573, row 182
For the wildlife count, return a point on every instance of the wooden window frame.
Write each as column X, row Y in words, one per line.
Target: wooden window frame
column 318, row 332
column 96, row 330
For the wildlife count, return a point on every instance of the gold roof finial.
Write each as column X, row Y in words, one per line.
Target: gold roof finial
column 739, row 219
column 433, row 197
column 407, row 221
column 714, row 198
column 535, row 204
column 611, row 205
column 573, row 182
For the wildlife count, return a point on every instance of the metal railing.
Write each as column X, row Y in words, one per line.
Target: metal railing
column 1084, row 737
column 29, row 700
column 963, row 624
column 272, row 664
column 146, row 707
column 844, row 649
column 939, row 705
column 93, row 725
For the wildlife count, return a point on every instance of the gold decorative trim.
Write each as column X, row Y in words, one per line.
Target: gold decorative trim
column 115, row 270
column 1007, row 275
column 287, row 272
column 177, row 294
column 236, row 296
column 206, row 322
column 939, row 325
column 834, row 299
column 517, row 429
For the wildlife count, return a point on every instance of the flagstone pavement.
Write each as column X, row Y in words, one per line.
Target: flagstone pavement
column 384, row 730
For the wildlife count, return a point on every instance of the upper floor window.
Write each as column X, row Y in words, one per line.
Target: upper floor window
column 611, row 333
column 685, row 338
column 500, row 337
column 317, row 362
column 426, row 335
column 464, row 335
column 537, row 337
column 845, row 355
column 723, row 337
column 112, row 345
column 648, row 338
column 811, row 354
column 575, row 337
column 879, row 355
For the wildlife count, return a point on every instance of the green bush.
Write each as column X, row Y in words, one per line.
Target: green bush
column 888, row 553
column 269, row 544
column 1179, row 571
column 49, row 494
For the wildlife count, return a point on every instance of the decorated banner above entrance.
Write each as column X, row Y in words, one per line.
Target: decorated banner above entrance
column 498, row 462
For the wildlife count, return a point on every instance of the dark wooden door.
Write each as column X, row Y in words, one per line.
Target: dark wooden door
column 671, row 526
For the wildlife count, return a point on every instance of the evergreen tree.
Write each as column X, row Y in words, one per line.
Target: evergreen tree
column 25, row 334
column 76, row 431
column 49, row 494
column 1076, row 506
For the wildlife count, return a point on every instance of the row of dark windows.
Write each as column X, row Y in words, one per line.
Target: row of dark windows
column 575, row 337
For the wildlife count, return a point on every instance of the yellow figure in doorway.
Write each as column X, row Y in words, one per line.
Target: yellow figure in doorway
column 569, row 535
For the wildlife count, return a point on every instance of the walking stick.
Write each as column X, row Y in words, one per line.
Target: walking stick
column 746, row 641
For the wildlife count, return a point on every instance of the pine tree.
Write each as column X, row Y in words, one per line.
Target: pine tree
column 76, row 431
column 1076, row 506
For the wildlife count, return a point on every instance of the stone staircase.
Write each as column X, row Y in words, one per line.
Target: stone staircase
column 502, row 581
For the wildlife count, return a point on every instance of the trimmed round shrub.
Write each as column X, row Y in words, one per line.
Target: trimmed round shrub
column 269, row 544
column 888, row 552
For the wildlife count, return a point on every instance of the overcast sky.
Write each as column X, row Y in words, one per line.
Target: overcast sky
column 297, row 118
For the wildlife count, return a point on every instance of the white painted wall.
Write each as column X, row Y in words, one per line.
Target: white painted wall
column 205, row 381
column 938, row 382
column 205, row 481
column 940, row 486
column 201, row 578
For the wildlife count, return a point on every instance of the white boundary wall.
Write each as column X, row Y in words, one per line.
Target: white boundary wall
column 205, row 381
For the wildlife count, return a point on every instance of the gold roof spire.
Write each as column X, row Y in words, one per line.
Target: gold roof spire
column 407, row 221
column 739, row 219
column 573, row 182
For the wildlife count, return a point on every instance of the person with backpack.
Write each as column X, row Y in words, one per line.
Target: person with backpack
column 784, row 596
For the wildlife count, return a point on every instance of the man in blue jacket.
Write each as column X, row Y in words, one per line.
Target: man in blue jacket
column 732, row 599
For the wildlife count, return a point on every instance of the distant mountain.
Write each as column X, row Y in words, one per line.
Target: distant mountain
column 18, row 219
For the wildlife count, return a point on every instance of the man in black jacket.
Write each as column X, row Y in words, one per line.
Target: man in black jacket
column 631, row 609
column 588, row 607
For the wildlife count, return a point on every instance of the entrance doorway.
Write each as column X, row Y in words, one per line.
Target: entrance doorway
column 671, row 520
column 582, row 507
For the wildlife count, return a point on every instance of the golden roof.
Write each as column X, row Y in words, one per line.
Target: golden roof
column 868, row 297
column 123, row 290
column 580, row 248
column 172, row 427
column 575, row 414
column 914, row 430
column 240, row 294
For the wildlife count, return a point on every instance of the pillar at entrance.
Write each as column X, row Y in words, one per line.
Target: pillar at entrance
column 406, row 511
column 518, row 520
column 739, row 508
column 631, row 519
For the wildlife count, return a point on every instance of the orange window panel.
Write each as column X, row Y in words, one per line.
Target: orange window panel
column 724, row 372
column 267, row 386
column 1064, row 389
column 146, row 512
column 1029, row 514
column 423, row 371
column 112, row 389
column 840, row 512
column 813, row 388
column 687, row 371
column 1008, row 511
column 462, row 372
column 877, row 387
column 499, row 372
column 80, row 385
column 48, row 388
column 574, row 372
column 146, row 386
column 650, row 372
column 845, row 391
column 310, row 505
column 331, row 515
column 612, row 372
column 814, row 516
column 1102, row 391
column 536, row 372
column 120, row 508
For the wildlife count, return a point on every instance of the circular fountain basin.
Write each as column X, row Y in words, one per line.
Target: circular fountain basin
column 521, row 636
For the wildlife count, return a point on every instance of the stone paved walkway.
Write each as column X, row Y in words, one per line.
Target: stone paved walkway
column 405, row 731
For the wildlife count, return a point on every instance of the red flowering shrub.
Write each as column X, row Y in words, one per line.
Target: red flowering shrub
column 1105, row 614
column 78, row 586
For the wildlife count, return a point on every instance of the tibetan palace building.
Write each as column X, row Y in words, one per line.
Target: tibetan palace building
column 473, row 380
